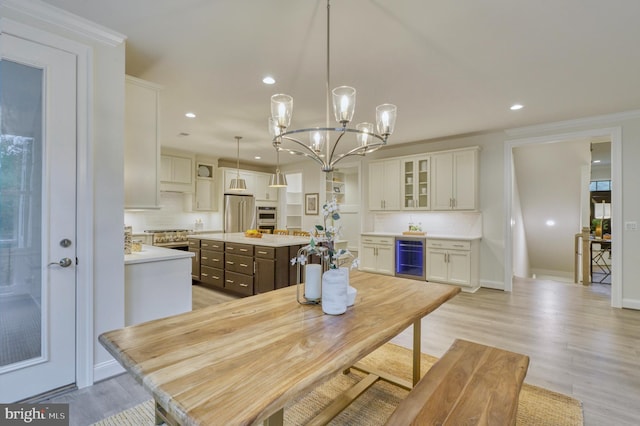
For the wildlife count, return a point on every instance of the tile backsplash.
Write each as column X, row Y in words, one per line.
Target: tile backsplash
column 436, row 223
column 174, row 214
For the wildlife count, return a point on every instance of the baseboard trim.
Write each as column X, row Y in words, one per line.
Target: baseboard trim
column 496, row 285
column 107, row 369
column 631, row 303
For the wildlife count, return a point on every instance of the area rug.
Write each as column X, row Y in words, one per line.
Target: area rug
column 537, row 406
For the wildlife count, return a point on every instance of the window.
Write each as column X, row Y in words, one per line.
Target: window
column 600, row 185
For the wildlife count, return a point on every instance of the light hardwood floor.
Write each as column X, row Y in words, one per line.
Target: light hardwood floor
column 577, row 343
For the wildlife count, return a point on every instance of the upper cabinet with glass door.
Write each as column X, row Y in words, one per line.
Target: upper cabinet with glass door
column 415, row 184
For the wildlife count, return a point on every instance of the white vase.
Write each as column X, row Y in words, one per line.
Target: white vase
column 334, row 292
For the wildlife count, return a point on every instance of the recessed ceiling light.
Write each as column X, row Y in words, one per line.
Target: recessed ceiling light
column 596, row 161
column 550, row 222
column 268, row 80
column 257, row 157
column 190, row 115
column 516, row 107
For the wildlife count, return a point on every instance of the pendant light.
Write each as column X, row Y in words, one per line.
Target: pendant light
column 238, row 184
column 278, row 179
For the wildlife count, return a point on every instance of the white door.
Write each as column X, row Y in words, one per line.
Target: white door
column 459, row 267
column 437, row 265
column 37, row 218
column 465, row 186
column 441, row 181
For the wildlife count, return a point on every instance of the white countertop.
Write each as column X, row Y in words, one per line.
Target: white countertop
column 267, row 240
column 427, row 235
column 155, row 254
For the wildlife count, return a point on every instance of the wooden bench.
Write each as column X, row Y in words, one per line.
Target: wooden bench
column 471, row 384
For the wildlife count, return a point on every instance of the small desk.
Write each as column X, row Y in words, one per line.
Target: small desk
column 240, row 362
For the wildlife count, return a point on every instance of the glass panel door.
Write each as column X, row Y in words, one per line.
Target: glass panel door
column 21, row 102
column 37, row 218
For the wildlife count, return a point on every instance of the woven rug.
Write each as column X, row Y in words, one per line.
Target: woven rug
column 537, row 406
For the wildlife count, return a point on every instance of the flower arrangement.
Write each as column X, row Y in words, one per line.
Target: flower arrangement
column 323, row 239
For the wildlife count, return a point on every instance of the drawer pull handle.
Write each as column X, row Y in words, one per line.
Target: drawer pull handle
column 243, row 249
column 230, row 262
column 230, row 281
column 215, row 278
column 204, row 258
column 244, row 265
column 230, row 248
column 216, row 260
column 458, row 245
column 204, row 275
column 244, row 285
column 262, row 252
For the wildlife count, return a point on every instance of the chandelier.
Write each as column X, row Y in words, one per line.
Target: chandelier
column 322, row 142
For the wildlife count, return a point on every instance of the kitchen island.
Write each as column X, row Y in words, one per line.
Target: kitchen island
column 245, row 265
column 157, row 284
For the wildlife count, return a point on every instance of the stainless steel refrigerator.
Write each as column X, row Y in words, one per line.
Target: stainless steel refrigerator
column 239, row 213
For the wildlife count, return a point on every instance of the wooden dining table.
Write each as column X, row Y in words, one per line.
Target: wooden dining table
column 242, row 361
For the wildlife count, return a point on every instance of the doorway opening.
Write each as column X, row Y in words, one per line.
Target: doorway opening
column 513, row 221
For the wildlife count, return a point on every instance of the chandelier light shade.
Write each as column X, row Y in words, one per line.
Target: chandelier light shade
column 321, row 144
column 238, row 184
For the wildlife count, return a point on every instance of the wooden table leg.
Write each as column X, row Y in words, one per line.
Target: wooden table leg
column 417, row 341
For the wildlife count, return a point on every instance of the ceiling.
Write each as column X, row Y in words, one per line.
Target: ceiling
column 451, row 67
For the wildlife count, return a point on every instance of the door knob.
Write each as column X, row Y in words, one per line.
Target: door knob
column 65, row 262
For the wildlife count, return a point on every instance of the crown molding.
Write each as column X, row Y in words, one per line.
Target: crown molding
column 598, row 120
column 45, row 12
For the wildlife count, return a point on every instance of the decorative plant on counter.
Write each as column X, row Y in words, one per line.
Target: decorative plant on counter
column 323, row 240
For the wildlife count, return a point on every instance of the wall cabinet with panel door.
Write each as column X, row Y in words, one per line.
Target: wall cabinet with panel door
column 263, row 192
column 453, row 262
column 141, row 144
column 176, row 173
column 415, row 182
column 454, row 180
column 206, row 195
column 384, row 185
column 377, row 254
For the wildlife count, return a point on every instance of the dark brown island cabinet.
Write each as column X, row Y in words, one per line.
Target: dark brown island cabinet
column 242, row 269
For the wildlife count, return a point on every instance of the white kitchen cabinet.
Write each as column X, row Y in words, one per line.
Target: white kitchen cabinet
column 453, row 262
column 141, row 144
column 205, row 195
column 377, row 254
column 415, row 182
column 263, row 192
column 384, row 185
column 454, row 180
column 176, row 173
